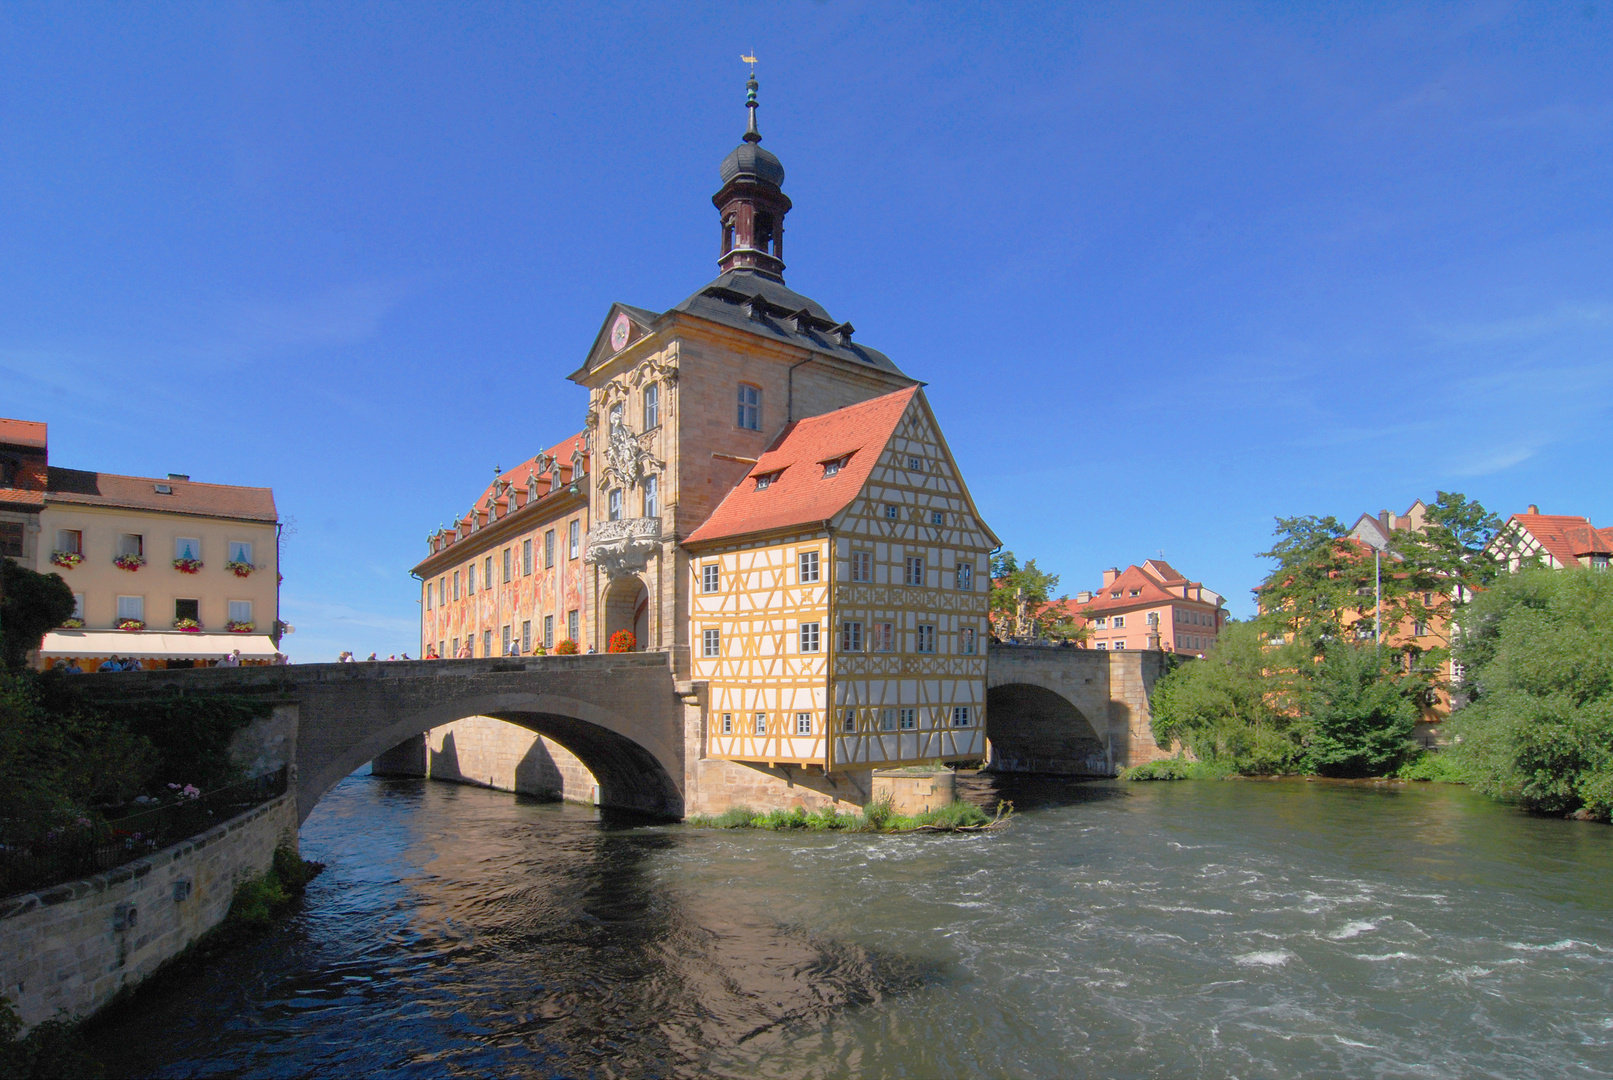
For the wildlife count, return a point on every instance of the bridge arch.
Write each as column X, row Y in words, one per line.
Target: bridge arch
column 635, row 768
column 1034, row 729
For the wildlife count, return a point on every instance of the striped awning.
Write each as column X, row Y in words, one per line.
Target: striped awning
column 153, row 645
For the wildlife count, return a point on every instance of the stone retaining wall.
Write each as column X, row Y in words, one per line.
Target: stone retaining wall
column 71, row 948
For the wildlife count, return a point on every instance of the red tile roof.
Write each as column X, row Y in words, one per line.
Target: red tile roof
column 1153, row 585
column 77, row 487
column 29, row 433
column 1566, row 536
column 800, row 493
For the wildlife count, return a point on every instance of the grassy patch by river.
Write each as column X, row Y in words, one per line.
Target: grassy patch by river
column 877, row 817
column 1428, row 766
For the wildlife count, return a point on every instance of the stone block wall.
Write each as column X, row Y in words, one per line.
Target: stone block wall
column 71, row 948
column 492, row 753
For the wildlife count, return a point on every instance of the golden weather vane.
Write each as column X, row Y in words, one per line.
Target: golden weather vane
column 751, row 60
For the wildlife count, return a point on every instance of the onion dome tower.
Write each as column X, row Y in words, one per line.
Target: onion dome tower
column 752, row 204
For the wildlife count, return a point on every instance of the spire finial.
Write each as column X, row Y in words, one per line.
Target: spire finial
column 751, row 134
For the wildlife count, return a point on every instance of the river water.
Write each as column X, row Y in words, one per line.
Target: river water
column 1198, row 929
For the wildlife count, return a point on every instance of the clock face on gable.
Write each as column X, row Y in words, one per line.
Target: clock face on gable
column 619, row 331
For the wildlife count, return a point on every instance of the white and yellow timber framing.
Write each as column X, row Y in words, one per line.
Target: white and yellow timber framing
column 869, row 707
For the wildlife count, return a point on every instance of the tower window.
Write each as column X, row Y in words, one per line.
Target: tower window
column 750, row 407
column 763, row 230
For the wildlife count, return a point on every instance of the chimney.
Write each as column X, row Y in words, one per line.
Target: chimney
column 1110, row 574
column 1533, row 509
column 178, row 476
column 1083, row 597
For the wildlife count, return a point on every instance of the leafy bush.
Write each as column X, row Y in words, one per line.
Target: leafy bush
column 1361, row 713
column 1539, row 657
column 1437, row 767
column 1179, row 769
column 30, row 604
column 876, row 817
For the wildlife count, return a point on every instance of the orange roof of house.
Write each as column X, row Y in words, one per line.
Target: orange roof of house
column 29, row 433
column 78, row 487
column 1566, row 536
column 516, row 476
column 800, row 493
column 1156, row 582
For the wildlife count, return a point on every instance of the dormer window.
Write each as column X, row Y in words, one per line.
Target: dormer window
column 1114, row 596
column 165, row 489
column 765, row 480
column 834, row 465
column 1136, row 592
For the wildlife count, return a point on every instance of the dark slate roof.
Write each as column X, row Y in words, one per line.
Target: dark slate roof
column 751, row 160
column 759, row 304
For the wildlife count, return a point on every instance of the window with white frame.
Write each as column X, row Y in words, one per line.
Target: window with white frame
column 937, row 517
column 808, row 567
column 614, row 504
column 803, row 723
column 241, row 551
column 574, row 535
column 966, row 641
column 240, row 611
column 711, row 577
column 887, row 719
column 470, row 580
column 487, row 572
column 1120, row 645
column 70, row 541
column 750, row 407
column 711, row 643
column 548, row 631
column 548, row 548
column 849, row 721
column 526, row 635
column 924, row 640
column 915, row 570
column 862, row 566
column 572, row 619
column 187, row 547
column 761, row 723
column 132, row 607
column 456, row 584
column 131, row 544
column 507, row 567
column 652, row 406
column 526, row 557
column 909, row 719
column 960, row 716
column 964, row 576
column 882, row 637
column 652, row 496
column 1119, row 621
column 78, row 605
column 851, row 637
column 891, row 513
column 1103, row 645
column 915, row 464
column 1101, row 622
column 727, row 723
column 809, row 637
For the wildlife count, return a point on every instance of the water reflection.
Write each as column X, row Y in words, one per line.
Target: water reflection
column 1114, row 930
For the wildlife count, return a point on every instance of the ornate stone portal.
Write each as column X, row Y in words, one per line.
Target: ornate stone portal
column 623, row 547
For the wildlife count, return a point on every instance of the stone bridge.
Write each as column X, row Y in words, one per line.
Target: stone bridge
column 639, row 732
column 621, row 714
column 1074, row 712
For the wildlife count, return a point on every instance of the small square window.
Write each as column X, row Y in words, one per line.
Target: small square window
column 831, row 468
column 915, row 570
column 851, row 637
column 960, row 716
column 1120, row 645
column 131, row 607
column 809, row 637
column 187, row 609
column 809, row 567
column 241, row 551
column 240, row 611
column 187, row 547
column 131, row 544
column 910, row 719
column 925, row 639
column 936, row 517
column 710, row 577
column 761, row 723
column 891, row 513
column 887, row 719
column 915, row 464
column 1136, row 592
column 68, row 540
column 711, row 643
column 862, row 566
column 803, row 723
column 1119, row 621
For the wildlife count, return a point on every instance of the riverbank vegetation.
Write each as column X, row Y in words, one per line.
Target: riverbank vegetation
column 877, row 817
column 1308, row 687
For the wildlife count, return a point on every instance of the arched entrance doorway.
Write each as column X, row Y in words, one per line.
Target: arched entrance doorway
column 627, row 607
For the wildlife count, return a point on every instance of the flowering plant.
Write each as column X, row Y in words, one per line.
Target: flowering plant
column 238, row 568
column 189, row 626
column 185, row 791
column 72, row 622
column 131, row 624
column 566, row 648
column 622, row 641
column 68, row 559
column 187, row 566
column 130, row 562
column 240, row 627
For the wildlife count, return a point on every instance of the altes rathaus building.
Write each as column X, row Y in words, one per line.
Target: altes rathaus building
column 760, row 496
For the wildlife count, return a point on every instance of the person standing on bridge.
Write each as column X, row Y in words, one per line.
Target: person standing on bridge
column 231, row 660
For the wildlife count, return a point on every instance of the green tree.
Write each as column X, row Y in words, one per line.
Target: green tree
column 1539, row 659
column 1238, row 704
column 1361, row 712
column 1012, row 584
column 1320, row 578
column 30, row 605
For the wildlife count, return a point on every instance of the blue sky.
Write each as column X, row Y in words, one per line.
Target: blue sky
column 1169, row 271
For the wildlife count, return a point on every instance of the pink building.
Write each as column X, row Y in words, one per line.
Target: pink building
column 1151, row 606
